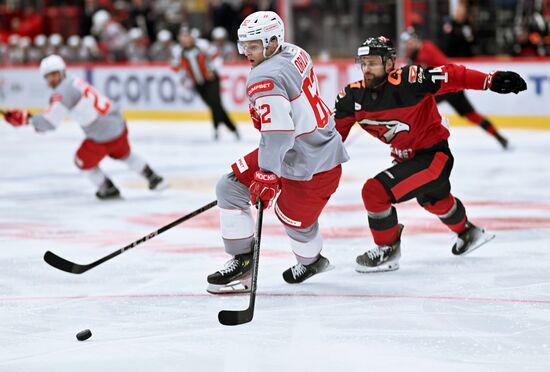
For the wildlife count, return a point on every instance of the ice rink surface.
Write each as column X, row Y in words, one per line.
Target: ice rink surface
column 148, row 309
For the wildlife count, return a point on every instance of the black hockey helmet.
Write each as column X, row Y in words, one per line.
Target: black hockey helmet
column 377, row 46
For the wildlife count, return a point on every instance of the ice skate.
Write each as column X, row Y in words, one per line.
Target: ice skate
column 381, row 258
column 156, row 182
column 235, row 277
column 107, row 191
column 299, row 272
column 502, row 140
column 471, row 239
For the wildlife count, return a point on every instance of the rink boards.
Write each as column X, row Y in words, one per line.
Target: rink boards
column 154, row 92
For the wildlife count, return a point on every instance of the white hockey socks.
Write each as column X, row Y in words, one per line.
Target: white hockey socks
column 307, row 252
column 95, row 175
column 237, row 227
column 135, row 163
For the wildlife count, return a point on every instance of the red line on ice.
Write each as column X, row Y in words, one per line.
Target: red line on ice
column 267, row 294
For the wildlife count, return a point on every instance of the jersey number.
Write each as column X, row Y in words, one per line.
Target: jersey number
column 101, row 103
column 101, row 107
column 320, row 108
column 265, row 110
column 438, row 74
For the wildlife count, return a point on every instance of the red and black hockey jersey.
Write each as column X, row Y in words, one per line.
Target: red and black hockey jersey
column 403, row 113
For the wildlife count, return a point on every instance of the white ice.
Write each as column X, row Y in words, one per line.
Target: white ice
column 148, row 309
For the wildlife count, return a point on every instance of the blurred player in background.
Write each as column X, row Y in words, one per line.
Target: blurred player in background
column 197, row 65
column 300, row 155
column 100, row 118
column 397, row 106
column 425, row 53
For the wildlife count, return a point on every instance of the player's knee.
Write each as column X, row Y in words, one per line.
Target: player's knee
column 232, row 194
column 439, row 207
column 83, row 164
column 375, row 196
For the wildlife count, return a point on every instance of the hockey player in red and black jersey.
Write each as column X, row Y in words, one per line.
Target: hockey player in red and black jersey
column 397, row 106
column 425, row 53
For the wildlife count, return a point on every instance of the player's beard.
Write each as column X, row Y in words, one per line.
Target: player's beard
column 374, row 81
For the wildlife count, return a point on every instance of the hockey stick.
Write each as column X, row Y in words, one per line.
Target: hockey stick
column 237, row 317
column 74, row 268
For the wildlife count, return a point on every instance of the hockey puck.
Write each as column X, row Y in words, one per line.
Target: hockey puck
column 84, row 335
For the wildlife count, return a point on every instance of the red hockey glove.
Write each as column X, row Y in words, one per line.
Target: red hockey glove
column 504, row 82
column 255, row 117
column 265, row 186
column 17, row 118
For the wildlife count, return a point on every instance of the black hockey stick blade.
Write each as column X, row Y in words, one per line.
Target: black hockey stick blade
column 237, row 317
column 62, row 264
column 74, row 268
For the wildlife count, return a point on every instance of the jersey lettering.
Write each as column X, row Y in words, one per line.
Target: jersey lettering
column 311, row 91
column 301, row 61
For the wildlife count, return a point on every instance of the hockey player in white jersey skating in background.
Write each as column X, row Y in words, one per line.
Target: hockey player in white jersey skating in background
column 100, row 118
column 299, row 155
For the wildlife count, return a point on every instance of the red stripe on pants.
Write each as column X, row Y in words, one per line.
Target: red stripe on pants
column 421, row 178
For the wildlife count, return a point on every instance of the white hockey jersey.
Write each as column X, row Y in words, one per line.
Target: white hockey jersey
column 99, row 117
column 298, row 135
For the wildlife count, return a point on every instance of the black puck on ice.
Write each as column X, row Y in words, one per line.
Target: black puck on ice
column 84, row 335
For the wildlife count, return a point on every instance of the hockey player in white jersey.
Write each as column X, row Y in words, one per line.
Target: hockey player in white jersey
column 299, row 155
column 100, row 118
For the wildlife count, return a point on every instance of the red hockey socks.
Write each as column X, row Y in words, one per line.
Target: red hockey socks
column 450, row 211
column 382, row 216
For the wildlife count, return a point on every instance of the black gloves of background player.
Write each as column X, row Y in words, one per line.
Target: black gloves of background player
column 505, row 82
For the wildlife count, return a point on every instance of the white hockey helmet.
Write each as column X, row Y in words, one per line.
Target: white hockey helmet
column 219, row 33
column 164, row 35
column 89, row 42
column 40, row 40
column 264, row 26
column 99, row 20
column 55, row 40
column 73, row 41
column 135, row 33
column 52, row 63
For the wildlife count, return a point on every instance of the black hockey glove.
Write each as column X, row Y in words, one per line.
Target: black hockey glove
column 504, row 82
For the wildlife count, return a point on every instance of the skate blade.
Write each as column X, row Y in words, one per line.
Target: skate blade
column 483, row 239
column 328, row 268
column 239, row 286
column 161, row 186
column 392, row 266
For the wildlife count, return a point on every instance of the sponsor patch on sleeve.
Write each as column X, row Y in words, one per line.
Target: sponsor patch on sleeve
column 56, row 98
column 241, row 165
column 261, row 86
column 413, row 73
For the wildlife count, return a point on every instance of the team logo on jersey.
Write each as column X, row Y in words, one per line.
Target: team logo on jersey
column 260, row 86
column 385, row 130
